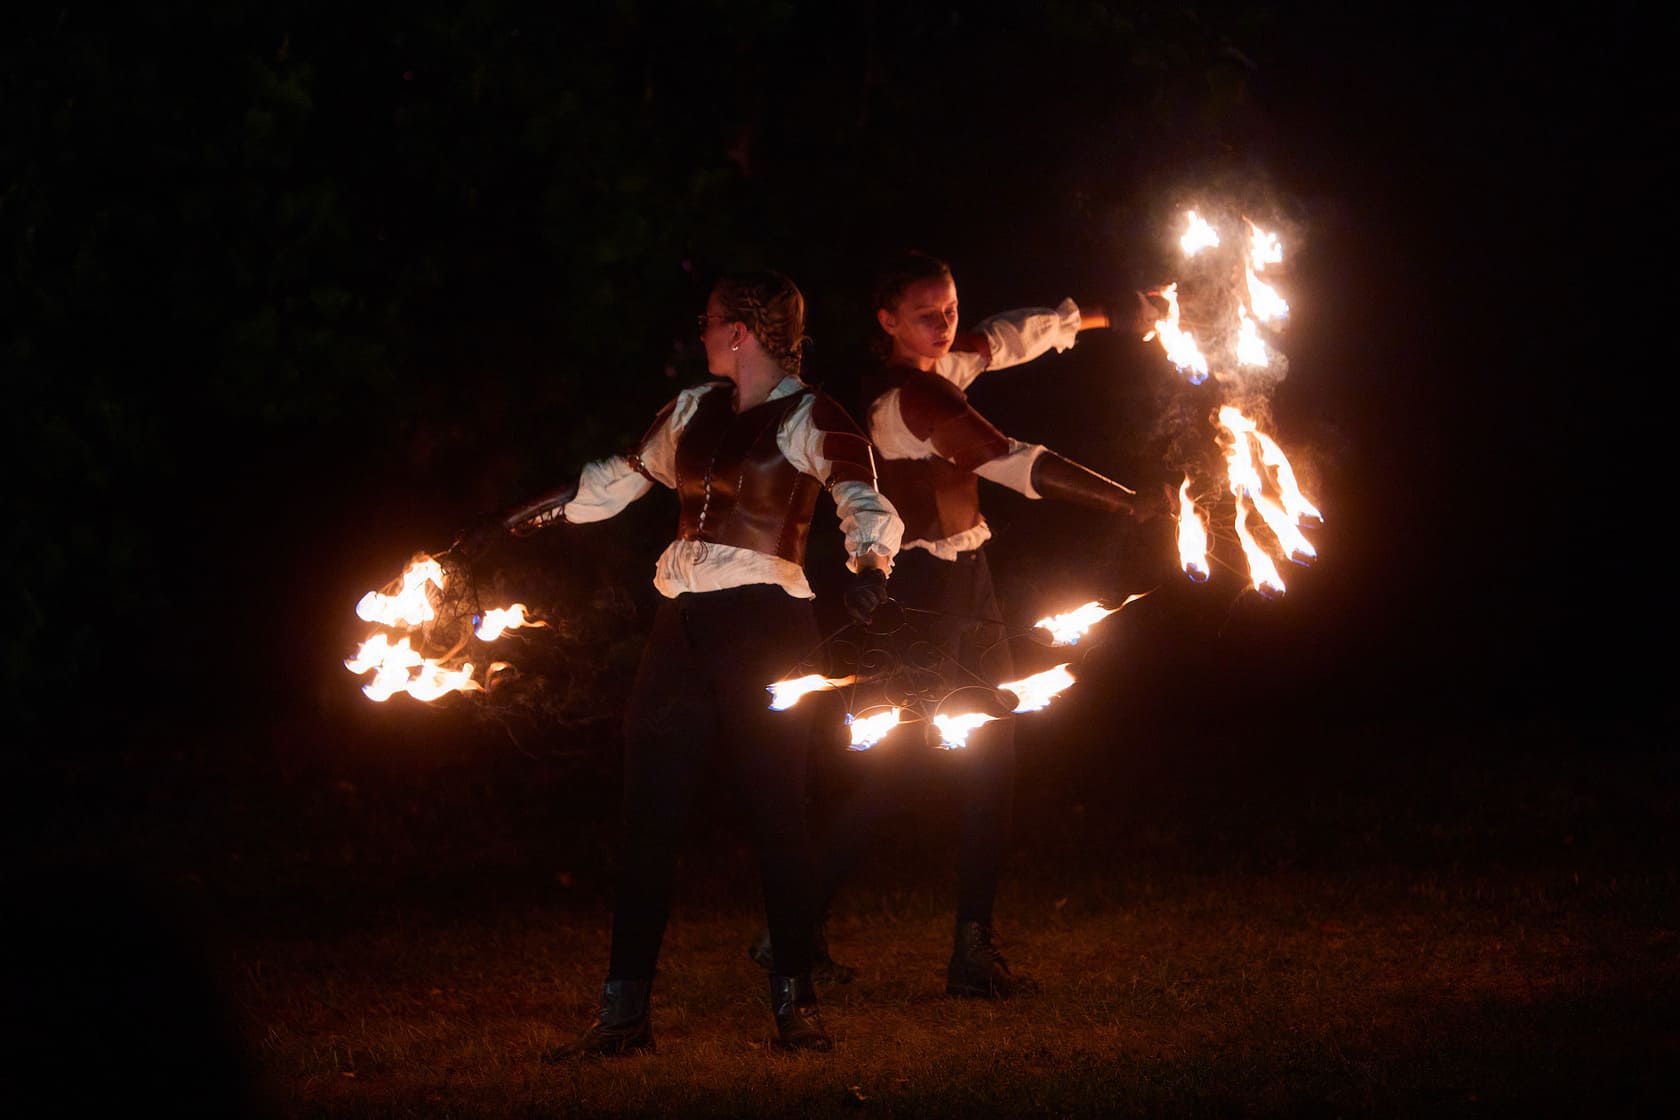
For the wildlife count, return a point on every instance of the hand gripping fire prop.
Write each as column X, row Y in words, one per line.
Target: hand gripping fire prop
column 901, row 678
column 1269, row 511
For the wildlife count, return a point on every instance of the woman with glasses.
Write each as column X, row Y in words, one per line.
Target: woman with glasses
column 748, row 456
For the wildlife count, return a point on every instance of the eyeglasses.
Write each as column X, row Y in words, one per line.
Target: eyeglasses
column 704, row 320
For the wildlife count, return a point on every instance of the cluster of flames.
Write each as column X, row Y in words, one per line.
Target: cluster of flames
column 1258, row 474
column 410, row 605
column 1031, row 694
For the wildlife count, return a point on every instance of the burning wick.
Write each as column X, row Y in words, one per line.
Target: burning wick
column 785, row 694
column 1180, row 347
column 868, row 731
column 409, row 607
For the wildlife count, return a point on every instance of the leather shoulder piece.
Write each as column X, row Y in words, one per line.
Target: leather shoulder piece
column 634, row 455
column 937, row 411
column 850, row 457
column 926, row 400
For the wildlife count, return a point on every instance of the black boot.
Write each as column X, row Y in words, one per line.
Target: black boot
column 621, row 1025
column 977, row 969
column 798, row 1025
column 823, row 966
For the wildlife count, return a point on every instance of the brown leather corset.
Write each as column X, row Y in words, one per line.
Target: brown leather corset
column 940, row 497
column 735, row 485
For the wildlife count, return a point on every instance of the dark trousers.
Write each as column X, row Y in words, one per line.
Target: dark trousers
column 966, row 626
column 699, row 699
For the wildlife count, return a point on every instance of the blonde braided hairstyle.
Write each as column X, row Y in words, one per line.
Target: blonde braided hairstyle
column 773, row 309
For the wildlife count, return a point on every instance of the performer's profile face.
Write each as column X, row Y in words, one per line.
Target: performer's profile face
column 717, row 337
column 924, row 323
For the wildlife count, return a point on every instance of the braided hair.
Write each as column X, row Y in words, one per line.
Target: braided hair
column 773, row 309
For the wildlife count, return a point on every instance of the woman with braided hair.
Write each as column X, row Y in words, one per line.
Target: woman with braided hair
column 747, row 455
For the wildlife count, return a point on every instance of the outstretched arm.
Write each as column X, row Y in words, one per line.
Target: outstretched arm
column 821, row 440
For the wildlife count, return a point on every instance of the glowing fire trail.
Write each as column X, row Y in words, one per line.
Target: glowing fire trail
column 785, row 694
column 1036, row 692
column 954, row 730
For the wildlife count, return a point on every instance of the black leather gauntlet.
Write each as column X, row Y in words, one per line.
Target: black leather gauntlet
column 1066, row 481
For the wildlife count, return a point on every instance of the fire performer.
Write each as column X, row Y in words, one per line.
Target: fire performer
column 747, row 456
column 932, row 448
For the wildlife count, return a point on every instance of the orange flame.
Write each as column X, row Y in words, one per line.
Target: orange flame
column 1198, row 236
column 1267, row 304
column 954, row 730
column 1036, row 692
column 1294, row 502
column 1261, row 571
column 1068, row 627
column 409, row 607
column 399, row 668
column 1251, row 351
column 1180, row 346
column 869, row 730
column 785, row 694
column 1263, row 248
column 499, row 620
column 1192, row 536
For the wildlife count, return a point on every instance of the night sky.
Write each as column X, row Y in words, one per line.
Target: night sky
column 295, row 291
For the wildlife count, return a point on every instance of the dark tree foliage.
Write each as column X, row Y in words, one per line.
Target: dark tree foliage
column 295, row 289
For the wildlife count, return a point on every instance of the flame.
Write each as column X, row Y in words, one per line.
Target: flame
column 1038, row 690
column 953, row 730
column 498, row 620
column 1261, row 570
column 1198, row 236
column 1267, row 304
column 399, row 668
column 869, row 730
column 409, row 607
column 785, row 694
column 1068, row 627
column 1192, row 536
column 1263, row 248
column 1180, row 347
column 1294, row 502
column 1239, row 458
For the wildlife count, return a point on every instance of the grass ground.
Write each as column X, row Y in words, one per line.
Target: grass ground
column 1439, row 931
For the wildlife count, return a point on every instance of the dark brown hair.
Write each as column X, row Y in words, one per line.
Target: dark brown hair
column 773, row 309
column 901, row 272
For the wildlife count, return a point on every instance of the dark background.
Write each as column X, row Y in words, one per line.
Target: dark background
column 296, row 290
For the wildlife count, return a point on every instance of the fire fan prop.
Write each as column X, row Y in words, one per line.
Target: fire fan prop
column 429, row 619
column 1235, row 306
column 899, row 678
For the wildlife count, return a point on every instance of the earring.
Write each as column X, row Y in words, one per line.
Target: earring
column 734, row 345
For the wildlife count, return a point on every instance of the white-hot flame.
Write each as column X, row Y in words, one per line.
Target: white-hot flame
column 1192, row 536
column 785, row 694
column 1068, row 627
column 1239, row 457
column 869, row 730
column 499, row 620
column 1268, row 305
column 1251, row 350
column 399, row 668
column 1294, row 502
column 409, row 607
column 1198, row 236
column 954, row 730
column 1261, row 570
column 1036, row 692
column 1263, row 248
column 1180, row 347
